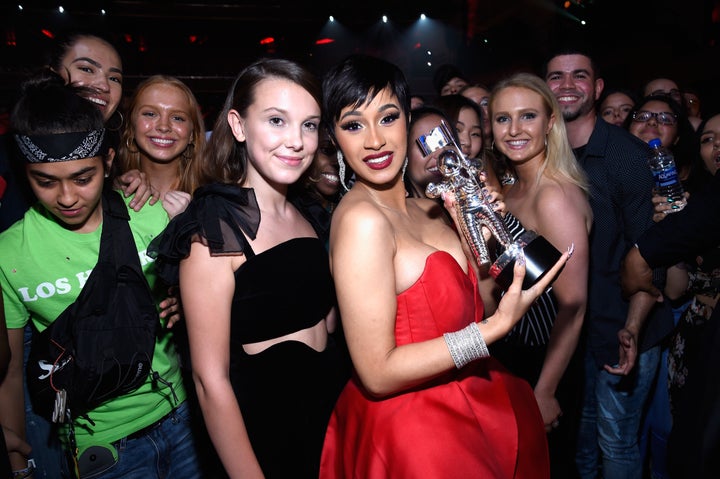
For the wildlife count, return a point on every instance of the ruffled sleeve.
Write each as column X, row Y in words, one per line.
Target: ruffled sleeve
column 219, row 216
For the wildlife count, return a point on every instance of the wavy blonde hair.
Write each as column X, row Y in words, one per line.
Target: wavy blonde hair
column 560, row 162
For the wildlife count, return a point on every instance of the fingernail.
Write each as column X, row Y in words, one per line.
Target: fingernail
column 670, row 200
column 521, row 258
column 132, row 204
column 675, row 207
column 485, row 191
column 571, row 250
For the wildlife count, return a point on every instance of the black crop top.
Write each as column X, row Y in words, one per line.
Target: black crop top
column 281, row 290
column 284, row 289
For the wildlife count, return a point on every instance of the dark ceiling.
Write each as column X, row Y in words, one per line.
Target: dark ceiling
column 207, row 42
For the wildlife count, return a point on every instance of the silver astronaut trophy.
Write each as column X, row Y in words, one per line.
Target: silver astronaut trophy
column 460, row 176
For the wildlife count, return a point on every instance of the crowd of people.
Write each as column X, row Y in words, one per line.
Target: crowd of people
column 322, row 315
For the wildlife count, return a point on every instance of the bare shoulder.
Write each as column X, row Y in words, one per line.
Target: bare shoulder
column 560, row 202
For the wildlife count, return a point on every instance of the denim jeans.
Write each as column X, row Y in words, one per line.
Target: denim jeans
column 610, row 419
column 167, row 450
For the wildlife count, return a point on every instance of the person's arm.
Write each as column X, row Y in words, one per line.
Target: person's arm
column 362, row 252
column 640, row 305
column 207, row 285
column 562, row 217
column 12, row 396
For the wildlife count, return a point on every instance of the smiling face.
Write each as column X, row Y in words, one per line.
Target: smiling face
column 280, row 129
column 95, row 65
column 520, row 122
column 469, row 131
column 70, row 190
column 710, row 144
column 652, row 128
column 373, row 138
column 572, row 80
column 161, row 121
column 422, row 170
column 324, row 171
column 616, row 107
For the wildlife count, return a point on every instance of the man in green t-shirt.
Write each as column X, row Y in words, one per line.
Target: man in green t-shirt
column 46, row 258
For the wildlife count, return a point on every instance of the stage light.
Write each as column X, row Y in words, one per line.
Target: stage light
column 324, row 41
column 582, row 22
column 267, row 41
column 384, row 19
column 47, row 33
column 429, row 64
column 422, row 16
column 61, row 9
column 332, row 19
column 102, row 11
column 20, row 7
column 429, row 52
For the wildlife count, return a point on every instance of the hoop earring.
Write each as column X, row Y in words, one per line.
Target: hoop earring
column 189, row 148
column 404, row 168
column 492, row 146
column 546, row 143
column 129, row 148
column 341, row 167
column 120, row 123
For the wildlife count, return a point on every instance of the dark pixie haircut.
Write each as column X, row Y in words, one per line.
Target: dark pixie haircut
column 48, row 106
column 226, row 159
column 356, row 81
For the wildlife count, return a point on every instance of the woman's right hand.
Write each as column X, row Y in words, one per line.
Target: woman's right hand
column 516, row 301
column 662, row 207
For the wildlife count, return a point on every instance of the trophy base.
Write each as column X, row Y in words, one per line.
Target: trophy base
column 540, row 256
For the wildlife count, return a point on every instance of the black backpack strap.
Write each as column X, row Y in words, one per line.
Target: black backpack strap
column 117, row 244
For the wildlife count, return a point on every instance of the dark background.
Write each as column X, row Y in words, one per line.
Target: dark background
column 206, row 43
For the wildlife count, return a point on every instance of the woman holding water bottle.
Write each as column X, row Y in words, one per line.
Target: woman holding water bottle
column 660, row 117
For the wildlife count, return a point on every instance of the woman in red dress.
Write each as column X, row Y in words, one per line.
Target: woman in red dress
column 426, row 400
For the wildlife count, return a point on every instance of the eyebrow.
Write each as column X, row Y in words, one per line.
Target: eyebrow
column 387, row 106
column 573, row 72
column 88, row 169
column 96, row 64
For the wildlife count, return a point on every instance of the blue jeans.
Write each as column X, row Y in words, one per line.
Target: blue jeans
column 658, row 420
column 610, row 419
column 167, row 450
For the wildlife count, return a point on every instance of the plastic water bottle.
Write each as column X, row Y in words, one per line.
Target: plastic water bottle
column 667, row 183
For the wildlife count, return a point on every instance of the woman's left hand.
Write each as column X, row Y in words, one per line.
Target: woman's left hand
column 549, row 409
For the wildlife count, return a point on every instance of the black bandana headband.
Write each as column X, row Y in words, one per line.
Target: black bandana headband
column 62, row 146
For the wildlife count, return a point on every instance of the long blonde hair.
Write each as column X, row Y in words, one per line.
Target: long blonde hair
column 560, row 162
column 189, row 166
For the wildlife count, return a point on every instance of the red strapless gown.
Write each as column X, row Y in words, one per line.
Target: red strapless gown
column 479, row 422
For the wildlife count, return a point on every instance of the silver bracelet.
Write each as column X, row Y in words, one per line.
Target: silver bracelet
column 466, row 345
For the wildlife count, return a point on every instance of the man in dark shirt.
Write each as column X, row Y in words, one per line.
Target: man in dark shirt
column 622, row 355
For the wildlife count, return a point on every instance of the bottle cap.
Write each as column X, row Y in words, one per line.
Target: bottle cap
column 655, row 142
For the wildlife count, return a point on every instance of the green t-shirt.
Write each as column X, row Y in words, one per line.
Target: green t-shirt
column 43, row 267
